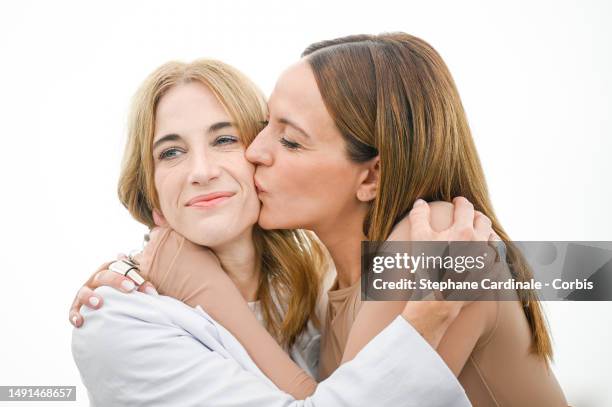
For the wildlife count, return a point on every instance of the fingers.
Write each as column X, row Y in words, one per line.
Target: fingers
column 463, row 220
column 112, row 279
column 419, row 221
column 482, row 227
column 75, row 318
column 483, row 231
column 87, row 297
column 148, row 288
column 73, row 314
column 121, row 283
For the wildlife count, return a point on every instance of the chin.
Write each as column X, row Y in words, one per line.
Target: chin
column 264, row 222
column 211, row 237
column 204, row 233
column 269, row 221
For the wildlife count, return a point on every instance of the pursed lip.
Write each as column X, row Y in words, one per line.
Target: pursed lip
column 208, row 197
column 258, row 187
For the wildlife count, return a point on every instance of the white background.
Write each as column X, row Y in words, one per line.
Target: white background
column 534, row 77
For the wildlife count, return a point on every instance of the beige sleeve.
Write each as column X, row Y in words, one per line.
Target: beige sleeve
column 192, row 274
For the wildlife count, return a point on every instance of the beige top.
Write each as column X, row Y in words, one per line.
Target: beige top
column 342, row 308
column 498, row 370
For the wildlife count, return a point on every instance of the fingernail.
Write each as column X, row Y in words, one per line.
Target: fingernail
column 151, row 290
column 128, row 285
column 94, row 301
column 74, row 320
column 418, row 202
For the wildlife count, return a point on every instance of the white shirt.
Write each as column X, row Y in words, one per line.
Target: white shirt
column 151, row 350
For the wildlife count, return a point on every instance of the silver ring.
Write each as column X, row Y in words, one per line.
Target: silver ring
column 127, row 269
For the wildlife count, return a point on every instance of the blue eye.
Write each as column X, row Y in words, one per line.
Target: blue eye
column 169, row 153
column 291, row 145
column 222, row 140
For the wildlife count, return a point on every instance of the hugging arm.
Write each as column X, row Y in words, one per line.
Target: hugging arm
column 146, row 350
column 213, row 290
column 189, row 273
column 474, row 321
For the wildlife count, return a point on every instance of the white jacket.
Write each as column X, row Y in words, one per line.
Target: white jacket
column 152, row 350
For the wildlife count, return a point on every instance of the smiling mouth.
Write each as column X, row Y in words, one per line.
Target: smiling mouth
column 209, row 200
column 209, row 203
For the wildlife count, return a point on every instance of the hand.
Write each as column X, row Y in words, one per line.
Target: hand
column 432, row 318
column 172, row 264
column 443, row 221
column 103, row 277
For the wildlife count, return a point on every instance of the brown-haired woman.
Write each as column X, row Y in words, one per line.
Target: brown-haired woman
column 388, row 103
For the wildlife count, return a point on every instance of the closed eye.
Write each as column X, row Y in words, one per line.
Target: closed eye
column 291, row 145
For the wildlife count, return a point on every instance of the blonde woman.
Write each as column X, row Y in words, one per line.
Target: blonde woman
column 185, row 167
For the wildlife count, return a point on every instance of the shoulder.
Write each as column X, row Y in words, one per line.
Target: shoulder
column 119, row 322
column 119, row 306
column 126, row 321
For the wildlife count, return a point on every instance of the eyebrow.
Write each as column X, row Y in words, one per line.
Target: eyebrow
column 292, row 124
column 175, row 137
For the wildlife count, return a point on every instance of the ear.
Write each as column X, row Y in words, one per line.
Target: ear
column 158, row 218
column 369, row 179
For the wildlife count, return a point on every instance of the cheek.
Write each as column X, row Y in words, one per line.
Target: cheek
column 307, row 191
column 167, row 185
column 245, row 177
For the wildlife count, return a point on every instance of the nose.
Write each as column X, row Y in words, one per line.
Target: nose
column 203, row 169
column 259, row 151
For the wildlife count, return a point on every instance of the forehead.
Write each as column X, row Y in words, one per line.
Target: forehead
column 296, row 96
column 189, row 104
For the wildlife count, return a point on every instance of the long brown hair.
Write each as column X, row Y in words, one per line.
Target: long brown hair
column 392, row 95
column 291, row 261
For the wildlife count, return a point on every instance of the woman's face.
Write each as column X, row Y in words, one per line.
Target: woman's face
column 304, row 176
column 203, row 181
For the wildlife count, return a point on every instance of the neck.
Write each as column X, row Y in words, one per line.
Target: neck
column 343, row 241
column 237, row 258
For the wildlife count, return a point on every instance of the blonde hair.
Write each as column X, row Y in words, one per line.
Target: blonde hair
column 392, row 95
column 290, row 260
